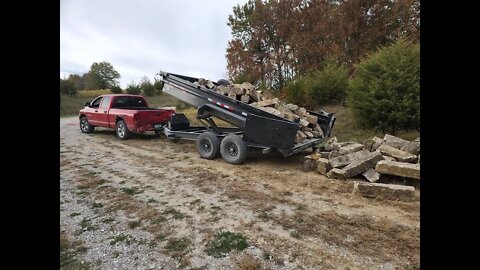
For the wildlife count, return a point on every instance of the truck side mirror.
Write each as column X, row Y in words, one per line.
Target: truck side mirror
column 87, row 104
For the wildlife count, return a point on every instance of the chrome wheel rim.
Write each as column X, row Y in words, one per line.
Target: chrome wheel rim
column 121, row 130
column 84, row 124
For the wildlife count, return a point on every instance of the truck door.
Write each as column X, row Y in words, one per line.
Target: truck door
column 93, row 112
column 102, row 115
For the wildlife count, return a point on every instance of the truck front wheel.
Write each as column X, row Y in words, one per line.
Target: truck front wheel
column 233, row 149
column 208, row 145
column 85, row 127
column 122, row 130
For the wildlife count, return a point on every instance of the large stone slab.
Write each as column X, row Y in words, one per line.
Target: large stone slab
column 269, row 102
column 398, row 154
column 310, row 163
column 342, row 161
column 384, row 191
column 312, row 119
column 371, row 175
column 323, row 166
column 362, row 165
column 373, row 143
column 336, row 173
column 350, row 148
column 401, row 144
column 398, row 168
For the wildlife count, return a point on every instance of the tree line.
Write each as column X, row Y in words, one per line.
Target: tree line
column 277, row 41
column 102, row 75
column 363, row 54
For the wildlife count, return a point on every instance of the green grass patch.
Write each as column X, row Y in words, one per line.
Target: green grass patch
column 134, row 224
column 131, row 191
column 97, row 205
column 178, row 246
column 174, row 213
column 127, row 239
column 224, row 242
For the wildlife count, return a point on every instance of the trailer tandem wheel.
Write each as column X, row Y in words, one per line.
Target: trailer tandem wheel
column 208, row 145
column 233, row 149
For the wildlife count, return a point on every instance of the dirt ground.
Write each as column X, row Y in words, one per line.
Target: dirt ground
column 150, row 203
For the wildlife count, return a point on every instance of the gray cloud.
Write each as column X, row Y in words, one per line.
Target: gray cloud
column 143, row 37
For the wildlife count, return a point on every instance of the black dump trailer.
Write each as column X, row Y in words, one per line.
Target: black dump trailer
column 253, row 128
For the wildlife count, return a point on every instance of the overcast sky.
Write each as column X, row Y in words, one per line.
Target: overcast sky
column 142, row 37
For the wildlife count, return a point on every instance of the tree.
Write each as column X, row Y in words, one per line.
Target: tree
column 158, row 86
column 330, row 84
column 278, row 41
column 133, row 88
column 67, row 87
column 385, row 94
column 116, row 89
column 147, row 87
column 103, row 75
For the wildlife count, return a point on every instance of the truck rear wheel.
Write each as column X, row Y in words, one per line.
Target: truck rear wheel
column 122, row 130
column 233, row 149
column 208, row 145
column 85, row 127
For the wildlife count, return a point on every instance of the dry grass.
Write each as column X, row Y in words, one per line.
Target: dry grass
column 347, row 129
column 93, row 93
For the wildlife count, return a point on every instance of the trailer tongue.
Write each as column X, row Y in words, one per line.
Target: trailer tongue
column 254, row 128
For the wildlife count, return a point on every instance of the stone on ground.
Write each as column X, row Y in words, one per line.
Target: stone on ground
column 351, row 148
column 398, row 154
column 398, row 168
column 384, row 191
column 362, row 165
column 371, row 175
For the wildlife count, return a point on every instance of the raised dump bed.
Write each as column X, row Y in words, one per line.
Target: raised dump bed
column 253, row 128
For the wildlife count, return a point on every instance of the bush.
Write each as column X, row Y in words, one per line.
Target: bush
column 158, row 85
column 296, row 91
column 329, row 85
column 385, row 93
column 147, row 87
column 116, row 89
column 133, row 89
column 67, row 87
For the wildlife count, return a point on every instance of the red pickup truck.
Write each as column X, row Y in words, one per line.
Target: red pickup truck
column 125, row 113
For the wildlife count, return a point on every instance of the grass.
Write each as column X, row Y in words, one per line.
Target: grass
column 347, row 129
column 131, row 191
column 122, row 238
column 134, row 224
column 174, row 213
column 224, row 242
column 69, row 250
column 178, row 246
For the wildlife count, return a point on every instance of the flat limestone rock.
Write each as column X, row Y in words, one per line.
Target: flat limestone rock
column 342, row 161
column 384, row 191
column 399, row 169
column 350, row 148
column 373, row 143
column 398, row 154
column 362, row 165
column 323, row 166
column 371, row 175
column 401, row 144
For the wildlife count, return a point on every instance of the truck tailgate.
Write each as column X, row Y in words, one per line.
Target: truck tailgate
column 152, row 116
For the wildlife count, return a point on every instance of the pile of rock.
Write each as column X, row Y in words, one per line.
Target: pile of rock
column 372, row 159
column 248, row 93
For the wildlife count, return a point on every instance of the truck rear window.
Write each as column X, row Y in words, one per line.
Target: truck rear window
column 126, row 102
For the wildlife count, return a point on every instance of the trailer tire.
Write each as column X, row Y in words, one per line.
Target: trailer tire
column 233, row 149
column 208, row 145
column 122, row 130
column 85, row 127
